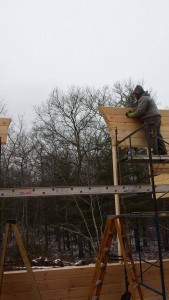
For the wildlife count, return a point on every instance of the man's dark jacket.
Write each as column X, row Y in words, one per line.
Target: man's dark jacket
column 146, row 108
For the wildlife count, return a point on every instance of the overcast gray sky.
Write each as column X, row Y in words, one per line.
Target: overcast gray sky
column 59, row 43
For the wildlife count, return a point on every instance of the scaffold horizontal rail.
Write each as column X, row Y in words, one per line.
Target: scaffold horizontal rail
column 145, row 159
column 80, row 190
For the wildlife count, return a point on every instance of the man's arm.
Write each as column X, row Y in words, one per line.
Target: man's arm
column 142, row 106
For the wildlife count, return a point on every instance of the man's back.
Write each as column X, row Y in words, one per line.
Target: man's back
column 146, row 108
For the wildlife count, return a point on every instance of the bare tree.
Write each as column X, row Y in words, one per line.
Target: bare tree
column 70, row 124
column 16, row 162
column 70, row 139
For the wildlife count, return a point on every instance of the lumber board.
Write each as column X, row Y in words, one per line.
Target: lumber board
column 5, row 121
column 29, row 296
column 3, row 138
column 22, row 296
column 17, row 288
column 116, row 296
column 110, row 111
column 3, row 130
column 161, row 168
column 123, row 132
column 66, row 272
column 59, row 283
column 160, row 179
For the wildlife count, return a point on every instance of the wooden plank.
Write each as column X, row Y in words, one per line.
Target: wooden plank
column 117, row 119
column 161, row 179
column 110, row 111
column 120, row 126
column 3, row 130
column 83, row 291
column 5, row 121
column 136, row 142
column 116, row 296
column 12, row 288
column 58, row 283
column 108, row 297
column 159, row 171
column 3, row 139
column 23, row 296
column 62, row 273
column 148, row 296
column 122, row 133
column 129, row 128
column 156, row 284
column 161, row 168
column 154, row 273
column 164, row 121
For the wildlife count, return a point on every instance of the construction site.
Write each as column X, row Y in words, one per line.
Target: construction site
column 130, row 275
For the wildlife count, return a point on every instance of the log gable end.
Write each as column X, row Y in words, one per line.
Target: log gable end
column 4, row 125
column 116, row 118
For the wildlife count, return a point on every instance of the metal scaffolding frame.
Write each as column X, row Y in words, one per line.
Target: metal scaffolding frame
column 149, row 159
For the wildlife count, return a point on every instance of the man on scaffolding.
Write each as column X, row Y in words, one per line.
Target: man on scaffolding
column 148, row 113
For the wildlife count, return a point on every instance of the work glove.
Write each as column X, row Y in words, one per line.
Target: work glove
column 129, row 114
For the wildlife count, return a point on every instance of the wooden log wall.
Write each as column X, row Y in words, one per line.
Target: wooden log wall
column 116, row 120
column 4, row 124
column 162, row 179
column 73, row 283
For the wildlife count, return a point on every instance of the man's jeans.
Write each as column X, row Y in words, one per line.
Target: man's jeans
column 153, row 135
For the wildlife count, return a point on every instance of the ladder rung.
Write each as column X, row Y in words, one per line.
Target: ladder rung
column 123, row 236
column 128, row 253
column 102, row 265
column 99, row 282
column 136, row 285
column 106, row 250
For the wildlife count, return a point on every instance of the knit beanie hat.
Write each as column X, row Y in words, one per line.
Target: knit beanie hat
column 138, row 90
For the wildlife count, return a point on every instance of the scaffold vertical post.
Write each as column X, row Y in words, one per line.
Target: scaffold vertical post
column 115, row 177
column 148, row 133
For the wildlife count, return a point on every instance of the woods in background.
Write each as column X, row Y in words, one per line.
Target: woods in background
column 67, row 145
